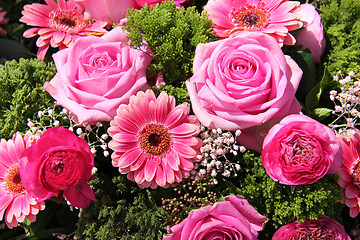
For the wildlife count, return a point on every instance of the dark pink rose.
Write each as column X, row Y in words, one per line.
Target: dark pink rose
column 243, row 82
column 300, row 150
column 323, row 228
column 111, row 11
column 234, row 218
column 96, row 75
column 312, row 36
column 58, row 164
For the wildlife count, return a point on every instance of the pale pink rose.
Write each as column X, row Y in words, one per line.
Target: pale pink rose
column 111, row 11
column 242, row 82
column 141, row 3
column 323, row 228
column 300, row 150
column 58, row 164
column 234, row 218
column 273, row 17
column 349, row 172
column 96, row 75
column 312, row 36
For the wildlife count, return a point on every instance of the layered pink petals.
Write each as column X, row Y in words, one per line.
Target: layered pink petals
column 111, row 11
column 242, row 82
column 59, row 163
column 98, row 61
column 322, row 228
column 154, row 141
column 234, row 219
column 16, row 203
column 299, row 150
column 312, row 36
column 274, row 17
column 349, row 172
column 53, row 30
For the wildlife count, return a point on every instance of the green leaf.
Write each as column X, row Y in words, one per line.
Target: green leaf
column 10, row 49
column 322, row 113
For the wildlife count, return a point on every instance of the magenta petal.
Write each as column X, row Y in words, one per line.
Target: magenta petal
column 150, row 169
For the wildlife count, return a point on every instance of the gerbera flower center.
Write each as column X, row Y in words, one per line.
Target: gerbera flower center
column 69, row 21
column 247, row 18
column 155, row 139
column 13, row 181
column 355, row 172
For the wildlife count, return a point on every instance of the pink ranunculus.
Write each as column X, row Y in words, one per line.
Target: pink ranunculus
column 234, row 218
column 111, row 11
column 98, row 74
column 312, row 36
column 243, row 82
column 58, row 164
column 322, row 228
column 141, row 3
column 300, row 150
column 349, row 172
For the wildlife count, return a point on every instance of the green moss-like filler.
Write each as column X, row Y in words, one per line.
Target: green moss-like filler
column 180, row 93
column 342, row 27
column 277, row 203
column 122, row 211
column 21, row 93
column 172, row 34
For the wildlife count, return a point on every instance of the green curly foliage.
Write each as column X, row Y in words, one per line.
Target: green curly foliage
column 278, row 203
column 122, row 211
column 172, row 34
column 180, row 93
column 21, row 93
column 342, row 27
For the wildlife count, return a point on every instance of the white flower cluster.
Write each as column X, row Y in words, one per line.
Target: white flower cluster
column 346, row 103
column 49, row 118
column 217, row 147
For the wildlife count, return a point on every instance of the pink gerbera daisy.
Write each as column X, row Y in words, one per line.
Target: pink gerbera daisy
column 154, row 141
column 15, row 201
column 59, row 24
column 349, row 172
column 273, row 17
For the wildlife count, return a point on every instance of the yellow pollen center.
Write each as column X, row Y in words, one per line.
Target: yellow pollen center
column 154, row 139
column 13, row 181
column 249, row 18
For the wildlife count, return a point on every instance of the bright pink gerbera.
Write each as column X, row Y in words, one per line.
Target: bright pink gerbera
column 60, row 24
column 350, row 172
column 14, row 198
column 273, row 17
column 154, row 141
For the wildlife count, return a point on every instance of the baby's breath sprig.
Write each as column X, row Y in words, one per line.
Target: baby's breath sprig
column 94, row 135
column 346, row 103
column 218, row 147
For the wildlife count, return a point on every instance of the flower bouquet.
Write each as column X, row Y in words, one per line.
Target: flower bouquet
column 207, row 119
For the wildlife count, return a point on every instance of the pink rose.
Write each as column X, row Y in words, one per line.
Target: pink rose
column 234, row 218
column 58, row 164
column 300, row 150
column 96, row 75
column 111, row 11
column 3, row 20
column 312, row 36
column 322, row 228
column 242, row 82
